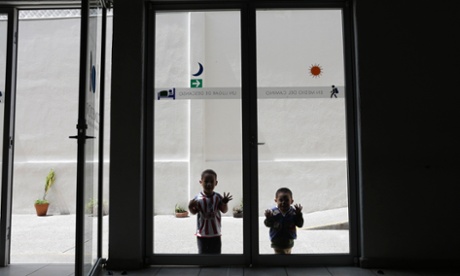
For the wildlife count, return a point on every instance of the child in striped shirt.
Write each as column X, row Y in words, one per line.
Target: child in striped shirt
column 209, row 205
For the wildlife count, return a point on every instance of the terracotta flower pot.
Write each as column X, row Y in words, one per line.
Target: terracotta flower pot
column 182, row 214
column 41, row 209
column 237, row 214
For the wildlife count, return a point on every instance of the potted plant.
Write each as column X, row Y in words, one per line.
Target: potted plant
column 180, row 212
column 42, row 204
column 238, row 210
column 92, row 207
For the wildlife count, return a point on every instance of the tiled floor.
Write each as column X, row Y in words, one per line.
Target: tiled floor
column 67, row 270
column 281, row 271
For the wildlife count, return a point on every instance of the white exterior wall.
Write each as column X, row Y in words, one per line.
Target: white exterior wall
column 193, row 135
column 47, row 114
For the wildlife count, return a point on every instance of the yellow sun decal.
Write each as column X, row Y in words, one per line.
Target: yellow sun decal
column 316, row 70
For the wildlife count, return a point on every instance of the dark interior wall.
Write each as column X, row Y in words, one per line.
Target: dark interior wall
column 409, row 63
column 126, row 222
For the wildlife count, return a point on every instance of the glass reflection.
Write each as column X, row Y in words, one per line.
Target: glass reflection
column 302, row 130
column 197, row 126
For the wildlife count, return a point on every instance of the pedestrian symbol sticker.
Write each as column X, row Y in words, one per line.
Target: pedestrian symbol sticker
column 334, row 91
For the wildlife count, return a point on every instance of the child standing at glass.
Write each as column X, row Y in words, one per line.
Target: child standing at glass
column 283, row 220
column 209, row 205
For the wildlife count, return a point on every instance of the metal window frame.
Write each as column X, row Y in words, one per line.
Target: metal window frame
column 249, row 127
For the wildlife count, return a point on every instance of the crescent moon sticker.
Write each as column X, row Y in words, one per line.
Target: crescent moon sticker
column 200, row 71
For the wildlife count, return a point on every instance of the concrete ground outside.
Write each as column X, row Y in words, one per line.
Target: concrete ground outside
column 51, row 239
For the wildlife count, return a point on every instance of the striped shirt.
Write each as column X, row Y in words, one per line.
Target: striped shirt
column 209, row 215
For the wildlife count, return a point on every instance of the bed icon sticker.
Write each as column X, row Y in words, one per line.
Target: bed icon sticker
column 170, row 93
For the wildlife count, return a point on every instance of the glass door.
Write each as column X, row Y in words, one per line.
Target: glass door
column 262, row 96
column 8, row 48
column 88, row 255
column 303, row 162
column 197, row 132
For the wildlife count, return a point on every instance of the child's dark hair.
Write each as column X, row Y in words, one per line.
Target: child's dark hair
column 283, row 190
column 208, row 171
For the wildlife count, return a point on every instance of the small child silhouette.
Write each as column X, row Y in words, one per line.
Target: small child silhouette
column 283, row 220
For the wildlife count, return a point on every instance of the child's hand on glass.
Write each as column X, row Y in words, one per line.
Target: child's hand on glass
column 268, row 213
column 193, row 206
column 227, row 198
column 298, row 208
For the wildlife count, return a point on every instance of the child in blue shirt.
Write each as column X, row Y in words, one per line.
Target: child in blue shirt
column 283, row 221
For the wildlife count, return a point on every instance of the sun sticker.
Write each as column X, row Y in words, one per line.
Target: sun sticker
column 316, row 71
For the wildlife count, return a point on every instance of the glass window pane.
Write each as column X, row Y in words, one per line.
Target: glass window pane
column 92, row 145
column 302, row 128
column 45, row 116
column 3, row 43
column 197, row 124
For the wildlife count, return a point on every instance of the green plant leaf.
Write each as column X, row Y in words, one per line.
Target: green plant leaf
column 179, row 209
column 41, row 201
column 50, row 179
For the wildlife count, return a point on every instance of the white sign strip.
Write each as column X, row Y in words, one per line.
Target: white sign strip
column 178, row 93
column 301, row 92
column 198, row 93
